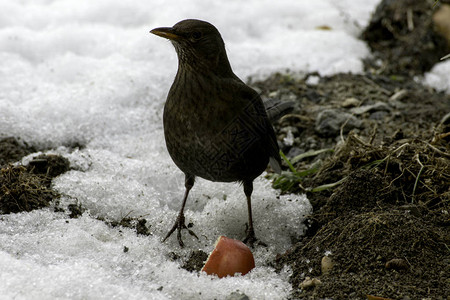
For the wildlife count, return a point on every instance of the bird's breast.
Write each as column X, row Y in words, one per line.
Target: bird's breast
column 209, row 133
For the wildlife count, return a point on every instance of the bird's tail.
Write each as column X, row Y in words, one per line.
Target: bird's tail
column 275, row 165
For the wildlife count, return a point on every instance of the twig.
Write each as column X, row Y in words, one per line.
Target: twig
column 409, row 19
column 373, row 135
column 297, row 116
column 360, row 141
column 400, row 147
column 392, row 181
column 341, row 131
column 437, row 150
column 418, row 176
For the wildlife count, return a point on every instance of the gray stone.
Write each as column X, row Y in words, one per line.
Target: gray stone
column 330, row 121
column 351, row 102
column 379, row 106
column 237, row 296
column 378, row 115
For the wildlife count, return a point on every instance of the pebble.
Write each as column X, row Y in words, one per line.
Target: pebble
column 326, row 264
column 237, row 296
column 294, row 151
column 309, row 283
column 351, row 102
column 397, row 264
column 378, row 115
column 378, row 106
column 329, row 122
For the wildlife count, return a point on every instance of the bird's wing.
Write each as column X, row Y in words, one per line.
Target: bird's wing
column 253, row 105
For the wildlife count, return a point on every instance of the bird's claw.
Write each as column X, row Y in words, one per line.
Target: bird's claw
column 251, row 239
column 178, row 226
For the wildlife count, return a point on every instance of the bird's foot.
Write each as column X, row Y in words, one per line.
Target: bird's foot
column 251, row 239
column 178, row 226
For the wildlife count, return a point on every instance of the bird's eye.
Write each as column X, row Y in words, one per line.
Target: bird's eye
column 196, row 35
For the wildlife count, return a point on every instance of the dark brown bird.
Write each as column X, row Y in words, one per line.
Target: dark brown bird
column 215, row 126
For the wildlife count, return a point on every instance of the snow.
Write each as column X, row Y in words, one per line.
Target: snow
column 89, row 72
column 439, row 76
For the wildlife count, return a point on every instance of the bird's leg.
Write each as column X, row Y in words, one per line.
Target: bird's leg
column 250, row 237
column 179, row 223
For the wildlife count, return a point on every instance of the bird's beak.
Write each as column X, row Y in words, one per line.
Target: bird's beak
column 166, row 32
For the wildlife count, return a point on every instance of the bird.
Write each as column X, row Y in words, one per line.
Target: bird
column 215, row 126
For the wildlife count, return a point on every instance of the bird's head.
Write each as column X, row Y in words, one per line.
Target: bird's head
column 198, row 45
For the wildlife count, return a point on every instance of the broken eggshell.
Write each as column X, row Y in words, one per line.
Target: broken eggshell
column 228, row 258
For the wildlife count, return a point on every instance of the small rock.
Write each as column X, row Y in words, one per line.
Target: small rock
column 398, row 104
column 310, row 143
column 351, row 102
column 445, row 119
column 412, row 209
column 237, row 296
column 441, row 19
column 195, row 261
column 274, row 94
column 312, row 80
column 330, row 121
column 370, row 297
column 399, row 95
column 294, row 151
column 378, row 115
column 397, row 264
column 378, row 106
column 313, row 95
column 289, row 139
column 287, row 129
column 326, row 264
column 309, row 283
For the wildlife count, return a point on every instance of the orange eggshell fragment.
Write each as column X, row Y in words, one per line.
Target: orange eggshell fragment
column 228, row 258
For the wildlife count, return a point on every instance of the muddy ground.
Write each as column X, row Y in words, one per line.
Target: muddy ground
column 372, row 155
column 372, row 152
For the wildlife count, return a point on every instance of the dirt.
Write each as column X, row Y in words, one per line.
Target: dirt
column 380, row 193
column 12, row 150
column 372, row 153
column 403, row 37
column 25, row 188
